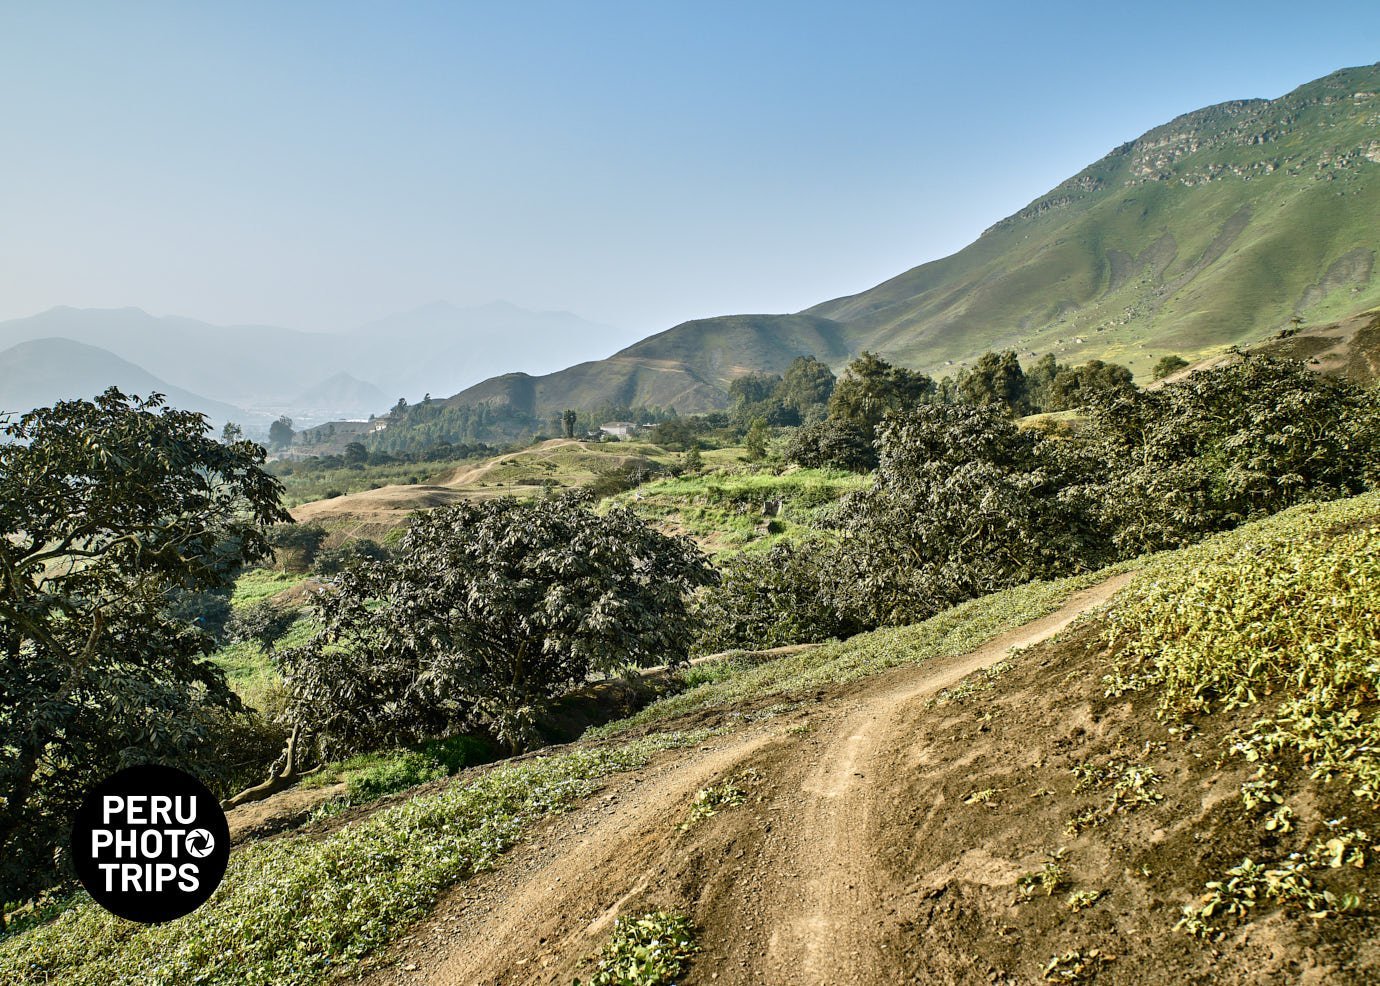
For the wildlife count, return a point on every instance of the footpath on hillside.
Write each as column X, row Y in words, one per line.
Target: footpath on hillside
column 792, row 887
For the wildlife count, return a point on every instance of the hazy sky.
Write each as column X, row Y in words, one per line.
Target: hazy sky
column 321, row 164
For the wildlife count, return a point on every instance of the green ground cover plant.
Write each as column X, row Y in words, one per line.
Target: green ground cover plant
column 297, row 909
column 372, row 775
column 650, row 950
column 1281, row 616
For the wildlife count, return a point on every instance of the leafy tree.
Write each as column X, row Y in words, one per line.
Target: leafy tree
column 678, row 434
column 871, row 389
column 1075, row 387
column 355, row 551
column 231, row 433
column 1169, row 364
column 996, row 378
column 487, row 612
column 568, row 420
column 832, row 444
column 752, row 388
column 756, row 440
column 261, row 622
column 693, row 461
column 110, row 508
column 785, row 595
column 806, row 387
column 756, row 396
column 280, row 432
column 295, row 545
column 964, row 503
column 1227, row 445
column 356, row 454
column 1038, row 381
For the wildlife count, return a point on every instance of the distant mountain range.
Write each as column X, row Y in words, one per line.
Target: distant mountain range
column 44, row 371
column 1216, row 228
column 265, row 370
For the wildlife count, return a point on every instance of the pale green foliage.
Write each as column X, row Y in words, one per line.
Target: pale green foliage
column 650, row 950
column 1286, row 608
column 1130, row 786
column 710, row 801
column 1049, row 879
column 1283, row 612
column 1083, row 899
column 1076, row 966
column 982, row 680
column 1287, row 882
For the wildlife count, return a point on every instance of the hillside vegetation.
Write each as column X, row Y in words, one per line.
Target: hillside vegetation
column 1090, row 825
column 1215, row 229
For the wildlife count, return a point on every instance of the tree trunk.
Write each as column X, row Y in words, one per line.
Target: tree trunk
column 279, row 779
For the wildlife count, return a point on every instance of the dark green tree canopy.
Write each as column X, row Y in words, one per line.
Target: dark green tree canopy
column 111, row 509
column 280, row 432
column 996, row 378
column 871, row 389
column 806, row 386
column 484, row 614
column 964, row 503
column 1227, row 445
column 1077, row 386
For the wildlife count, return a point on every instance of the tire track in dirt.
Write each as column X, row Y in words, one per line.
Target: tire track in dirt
column 827, row 926
column 805, row 902
column 537, row 912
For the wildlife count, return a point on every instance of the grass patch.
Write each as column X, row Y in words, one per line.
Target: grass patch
column 305, row 482
column 723, row 509
column 261, row 583
column 249, row 668
column 650, row 950
column 297, row 910
column 249, row 671
column 373, row 775
column 956, row 631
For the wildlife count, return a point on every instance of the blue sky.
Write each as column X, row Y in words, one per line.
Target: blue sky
column 322, row 164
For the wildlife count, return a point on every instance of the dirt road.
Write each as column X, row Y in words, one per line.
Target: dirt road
column 786, row 889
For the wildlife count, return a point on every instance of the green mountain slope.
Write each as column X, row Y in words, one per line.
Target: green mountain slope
column 1212, row 229
column 1217, row 228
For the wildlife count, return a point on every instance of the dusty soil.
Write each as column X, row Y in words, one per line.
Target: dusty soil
column 285, row 810
column 884, row 840
column 373, row 513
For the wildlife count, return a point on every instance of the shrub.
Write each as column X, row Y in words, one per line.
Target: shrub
column 262, row 622
column 486, row 612
column 295, row 545
column 781, row 596
column 355, row 551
